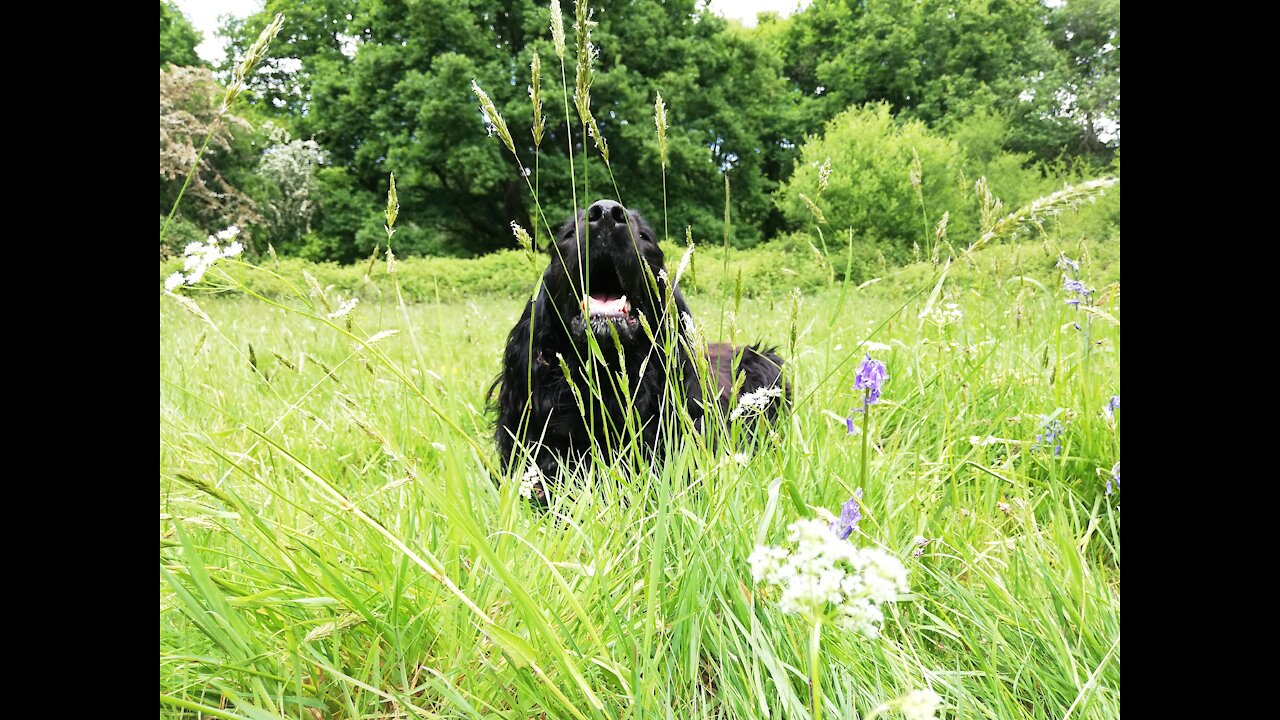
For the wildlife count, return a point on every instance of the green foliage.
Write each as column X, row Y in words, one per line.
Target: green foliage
column 181, row 233
column 871, row 189
column 401, row 103
column 940, row 60
column 178, row 38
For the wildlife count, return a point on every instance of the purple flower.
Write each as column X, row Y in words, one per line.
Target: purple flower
column 1115, row 475
column 1112, row 405
column 850, row 514
column 849, row 424
column 1052, row 431
column 1067, row 263
column 871, row 375
column 1075, row 286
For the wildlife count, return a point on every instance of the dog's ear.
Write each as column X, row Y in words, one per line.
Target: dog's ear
column 512, row 386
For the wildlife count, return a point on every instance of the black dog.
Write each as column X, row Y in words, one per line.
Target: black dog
column 606, row 280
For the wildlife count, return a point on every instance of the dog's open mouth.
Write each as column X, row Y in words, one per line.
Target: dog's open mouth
column 605, row 300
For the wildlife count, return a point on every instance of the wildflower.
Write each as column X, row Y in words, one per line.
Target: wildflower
column 919, row 704
column 1076, row 287
column 824, row 577
column 1004, row 507
column 344, row 308
column 1115, row 475
column 528, row 480
column 201, row 256
column 755, row 402
column 1052, row 432
column 850, row 514
column 1066, row 263
column 947, row 314
column 741, row 458
column 871, row 376
column 1111, row 407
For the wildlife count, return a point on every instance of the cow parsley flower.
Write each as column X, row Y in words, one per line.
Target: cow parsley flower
column 942, row 316
column 754, row 403
column 919, row 704
column 200, row 256
column 528, row 480
column 824, row 577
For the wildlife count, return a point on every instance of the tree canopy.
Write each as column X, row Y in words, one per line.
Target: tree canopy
column 384, row 86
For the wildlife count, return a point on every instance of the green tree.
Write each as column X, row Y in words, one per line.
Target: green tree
column 943, row 61
column 178, row 37
column 389, row 90
column 1087, row 33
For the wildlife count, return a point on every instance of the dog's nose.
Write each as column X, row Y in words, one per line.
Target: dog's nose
column 607, row 209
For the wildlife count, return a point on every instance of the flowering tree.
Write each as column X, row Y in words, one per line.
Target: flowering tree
column 189, row 103
column 288, row 168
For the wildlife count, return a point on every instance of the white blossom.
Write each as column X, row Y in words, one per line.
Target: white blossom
column 919, row 704
column 826, row 577
column 755, row 402
column 528, row 480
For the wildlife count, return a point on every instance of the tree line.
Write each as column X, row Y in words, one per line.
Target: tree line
column 912, row 101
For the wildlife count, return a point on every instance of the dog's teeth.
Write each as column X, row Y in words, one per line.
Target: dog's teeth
column 626, row 306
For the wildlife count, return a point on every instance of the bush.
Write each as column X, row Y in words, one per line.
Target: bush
column 181, row 233
column 871, row 190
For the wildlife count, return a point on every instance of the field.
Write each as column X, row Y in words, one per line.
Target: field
column 332, row 544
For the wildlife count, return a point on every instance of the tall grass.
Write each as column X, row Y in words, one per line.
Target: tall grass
column 329, row 542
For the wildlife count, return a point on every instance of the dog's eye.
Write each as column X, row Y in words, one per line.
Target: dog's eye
column 645, row 236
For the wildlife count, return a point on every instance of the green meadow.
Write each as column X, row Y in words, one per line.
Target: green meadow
column 333, row 545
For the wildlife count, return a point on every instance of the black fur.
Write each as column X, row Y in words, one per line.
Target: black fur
column 538, row 417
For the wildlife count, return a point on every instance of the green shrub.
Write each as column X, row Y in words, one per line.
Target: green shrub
column 871, row 189
column 181, row 233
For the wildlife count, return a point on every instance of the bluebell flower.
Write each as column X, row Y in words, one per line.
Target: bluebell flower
column 1075, row 286
column 1067, row 263
column 871, row 376
column 1115, row 475
column 1052, row 432
column 850, row 514
column 1112, row 405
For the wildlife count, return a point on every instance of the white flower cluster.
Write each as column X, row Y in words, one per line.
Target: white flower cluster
column 528, row 480
column 755, row 402
column 919, row 704
column 202, row 256
column 945, row 315
column 826, row 577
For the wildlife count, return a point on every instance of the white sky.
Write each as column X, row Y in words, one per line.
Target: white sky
column 204, row 15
